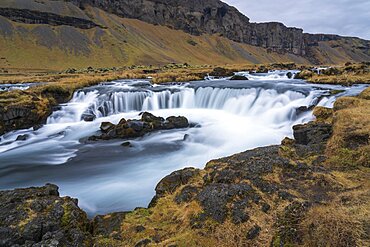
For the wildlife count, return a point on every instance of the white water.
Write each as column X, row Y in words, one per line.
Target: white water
column 105, row 176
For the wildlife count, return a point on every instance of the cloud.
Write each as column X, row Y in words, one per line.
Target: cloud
column 343, row 17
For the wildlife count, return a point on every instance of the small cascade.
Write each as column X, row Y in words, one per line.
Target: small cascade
column 247, row 102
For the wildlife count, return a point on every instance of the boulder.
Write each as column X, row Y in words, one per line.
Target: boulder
column 105, row 127
column 239, row 78
column 136, row 128
column 37, row 216
column 22, row 137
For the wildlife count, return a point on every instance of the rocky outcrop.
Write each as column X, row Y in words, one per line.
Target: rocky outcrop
column 210, row 16
column 136, row 128
column 40, row 217
column 36, row 17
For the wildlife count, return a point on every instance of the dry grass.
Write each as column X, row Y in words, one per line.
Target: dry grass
column 333, row 225
column 350, row 144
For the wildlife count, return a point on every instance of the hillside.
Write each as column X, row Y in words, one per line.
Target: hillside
column 62, row 34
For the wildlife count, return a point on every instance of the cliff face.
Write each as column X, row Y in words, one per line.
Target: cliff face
column 209, row 16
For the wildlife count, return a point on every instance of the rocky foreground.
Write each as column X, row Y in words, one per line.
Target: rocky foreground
column 310, row 191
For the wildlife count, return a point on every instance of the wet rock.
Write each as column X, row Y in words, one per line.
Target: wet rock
column 88, row 117
column 239, row 78
column 186, row 137
column 289, row 75
column 253, row 232
column 126, row 144
column 176, row 122
column 22, row 137
column 137, row 128
column 37, row 127
column 105, row 127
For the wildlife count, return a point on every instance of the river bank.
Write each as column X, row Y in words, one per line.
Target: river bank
column 291, row 194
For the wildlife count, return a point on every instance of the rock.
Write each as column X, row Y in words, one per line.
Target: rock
column 171, row 182
column 215, row 197
column 289, row 75
column 126, row 144
column 148, row 117
column 144, row 242
column 137, row 128
column 186, row 137
column 88, row 117
column 239, row 78
column 22, row 137
column 39, row 216
column 105, row 127
column 238, row 213
column 176, row 122
column 37, row 127
column 187, row 194
column 253, row 232
column 312, row 133
column 140, row 228
column 106, row 225
column 265, row 207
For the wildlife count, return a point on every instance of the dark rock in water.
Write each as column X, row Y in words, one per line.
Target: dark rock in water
column 176, row 123
column 239, row 78
column 136, row 128
column 105, row 127
column 253, row 232
column 22, row 137
column 148, row 117
column 186, row 137
column 37, row 216
column 37, row 127
column 126, row 144
column 88, row 117
column 289, row 75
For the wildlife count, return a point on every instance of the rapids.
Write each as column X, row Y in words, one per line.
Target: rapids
column 230, row 117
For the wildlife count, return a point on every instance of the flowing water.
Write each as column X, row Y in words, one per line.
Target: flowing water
column 229, row 117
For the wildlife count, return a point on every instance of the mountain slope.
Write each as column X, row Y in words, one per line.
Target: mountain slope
column 62, row 34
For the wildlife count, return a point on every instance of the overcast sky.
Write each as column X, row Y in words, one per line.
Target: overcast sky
column 344, row 17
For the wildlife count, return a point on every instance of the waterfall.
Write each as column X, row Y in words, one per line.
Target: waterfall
column 252, row 101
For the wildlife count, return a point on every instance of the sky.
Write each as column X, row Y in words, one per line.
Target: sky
column 343, row 17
